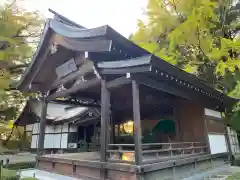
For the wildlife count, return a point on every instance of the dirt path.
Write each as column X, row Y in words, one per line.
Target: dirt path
column 226, row 175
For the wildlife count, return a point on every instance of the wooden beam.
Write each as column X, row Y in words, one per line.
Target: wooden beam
column 89, row 45
column 118, row 82
column 42, row 127
column 80, row 104
column 137, row 123
column 78, row 87
column 173, row 89
column 138, row 69
column 84, row 69
column 105, row 120
column 159, row 85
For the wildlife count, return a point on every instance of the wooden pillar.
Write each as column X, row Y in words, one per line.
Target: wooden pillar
column 229, row 148
column 25, row 133
column 105, row 120
column 206, row 133
column 85, row 133
column 137, row 123
column 42, row 127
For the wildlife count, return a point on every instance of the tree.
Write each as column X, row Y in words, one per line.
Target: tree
column 19, row 31
column 202, row 37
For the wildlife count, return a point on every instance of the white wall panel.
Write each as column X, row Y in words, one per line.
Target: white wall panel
column 212, row 113
column 64, row 140
column 29, row 127
column 73, row 128
column 57, row 141
column 35, row 128
column 34, row 142
column 217, row 143
column 49, row 129
column 58, row 128
column 65, row 127
column 48, row 141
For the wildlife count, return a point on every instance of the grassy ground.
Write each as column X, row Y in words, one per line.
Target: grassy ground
column 12, row 173
column 236, row 176
column 7, row 172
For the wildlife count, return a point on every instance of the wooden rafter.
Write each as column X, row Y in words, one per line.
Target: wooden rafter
column 77, row 87
column 118, row 82
column 84, row 69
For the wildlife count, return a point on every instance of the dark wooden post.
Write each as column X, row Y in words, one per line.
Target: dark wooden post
column 25, row 135
column 229, row 148
column 137, row 123
column 206, row 133
column 105, row 120
column 42, row 127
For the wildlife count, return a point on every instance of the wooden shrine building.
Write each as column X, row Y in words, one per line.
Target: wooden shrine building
column 157, row 121
column 69, row 128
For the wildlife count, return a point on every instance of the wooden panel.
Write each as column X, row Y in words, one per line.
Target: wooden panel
column 64, row 169
column 215, row 126
column 191, row 121
column 87, row 172
column 120, row 175
column 45, row 166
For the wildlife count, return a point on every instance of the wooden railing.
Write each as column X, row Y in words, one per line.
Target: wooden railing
column 153, row 151
column 116, row 152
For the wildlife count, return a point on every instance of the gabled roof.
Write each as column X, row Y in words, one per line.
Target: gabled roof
column 111, row 54
column 102, row 39
column 56, row 113
column 150, row 66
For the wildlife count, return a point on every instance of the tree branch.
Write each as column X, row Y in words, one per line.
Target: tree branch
column 199, row 41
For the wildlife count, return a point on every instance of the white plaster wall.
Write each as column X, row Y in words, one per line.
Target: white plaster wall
column 65, row 127
column 212, row 113
column 64, row 140
column 48, row 141
column 57, row 141
column 35, row 128
column 58, row 128
column 217, row 143
column 34, row 142
column 49, row 129
column 29, row 127
column 73, row 128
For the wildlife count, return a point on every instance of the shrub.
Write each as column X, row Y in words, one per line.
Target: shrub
column 16, row 177
column 9, row 175
column 21, row 165
column 236, row 159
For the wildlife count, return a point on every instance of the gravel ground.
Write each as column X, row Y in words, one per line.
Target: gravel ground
column 230, row 174
column 21, row 157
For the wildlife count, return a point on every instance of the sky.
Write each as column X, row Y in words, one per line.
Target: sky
column 122, row 15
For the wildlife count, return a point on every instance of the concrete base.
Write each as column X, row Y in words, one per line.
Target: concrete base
column 216, row 171
column 191, row 168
